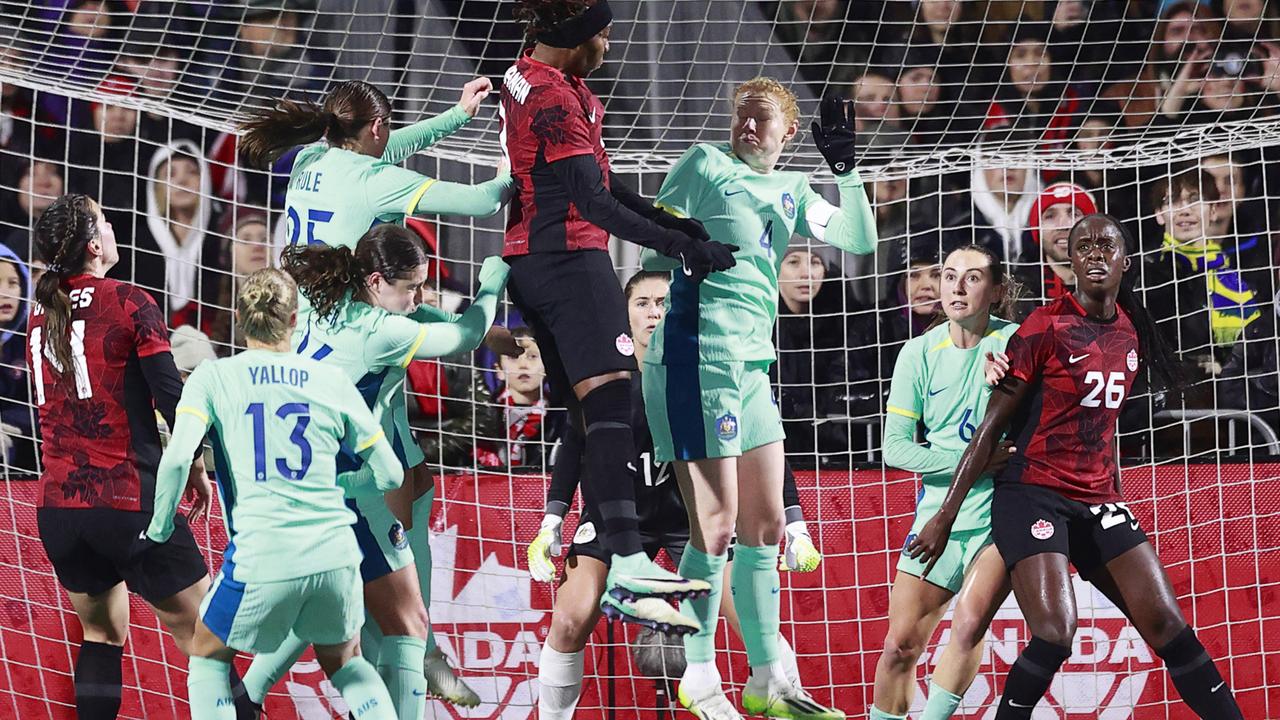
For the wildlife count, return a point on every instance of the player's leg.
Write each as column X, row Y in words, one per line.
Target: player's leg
column 208, row 675
column 395, row 604
column 576, row 612
column 358, row 682
column 986, row 585
column 915, row 608
column 1153, row 608
column 442, row 681
column 104, row 620
column 330, row 619
column 1031, row 530
column 787, row 654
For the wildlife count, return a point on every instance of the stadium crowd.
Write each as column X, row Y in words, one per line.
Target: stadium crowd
column 1070, row 75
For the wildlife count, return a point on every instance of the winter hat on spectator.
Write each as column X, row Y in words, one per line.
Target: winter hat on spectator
column 1055, row 194
column 190, row 348
column 1166, row 6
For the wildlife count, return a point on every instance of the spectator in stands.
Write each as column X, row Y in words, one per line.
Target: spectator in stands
column 109, row 159
column 177, row 255
column 272, row 58
column 1241, row 220
column 191, row 348
column 1001, row 200
column 875, row 113
column 810, row 373
column 17, row 438
column 949, row 27
column 248, row 251
column 872, row 276
column 1116, row 187
column 1194, row 288
column 812, row 31
column 1211, row 87
column 927, row 107
column 1050, row 221
column 530, row 427
column 36, row 184
column 155, row 63
column 84, row 43
column 1250, row 377
column 1248, row 19
column 917, row 300
column 1029, row 96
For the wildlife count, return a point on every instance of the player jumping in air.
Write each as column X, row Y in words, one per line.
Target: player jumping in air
column 359, row 302
column 939, row 382
column 664, row 525
column 101, row 368
column 340, row 188
column 562, row 278
column 1059, row 501
column 706, row 384
column 276, row 421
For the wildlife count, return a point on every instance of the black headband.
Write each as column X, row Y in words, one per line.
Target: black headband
column 578, row 29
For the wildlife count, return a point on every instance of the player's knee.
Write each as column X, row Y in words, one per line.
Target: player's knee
column 1164, row 627
column 968, row 628
column 1059, row 630
column 903, row 649
column 108, row 635
column 570, row 630
column 717, row 532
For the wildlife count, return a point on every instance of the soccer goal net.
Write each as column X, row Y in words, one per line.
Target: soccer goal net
column 995, row 122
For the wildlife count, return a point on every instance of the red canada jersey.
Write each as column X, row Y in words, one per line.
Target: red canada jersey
column 101, row 446
column 1080, row 370
column 547, row 115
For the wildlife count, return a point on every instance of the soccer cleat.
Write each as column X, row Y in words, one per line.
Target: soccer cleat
column 712, row 705
column 652, row 613
column 654, row 583
column 769, row 698
column 444, row 684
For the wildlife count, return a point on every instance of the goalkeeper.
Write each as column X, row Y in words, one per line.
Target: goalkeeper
column 664, row 524
column 706, row 382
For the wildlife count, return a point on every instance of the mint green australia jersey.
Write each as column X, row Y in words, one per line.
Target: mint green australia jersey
column 730, row 315
column 276, row 422
column 944, row 388
column 373, row 348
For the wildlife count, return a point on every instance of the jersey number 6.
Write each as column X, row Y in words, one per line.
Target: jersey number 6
column 298, row 437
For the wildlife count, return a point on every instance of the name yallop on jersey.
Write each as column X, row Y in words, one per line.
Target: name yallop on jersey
column 1107, row 675
column 486, row 625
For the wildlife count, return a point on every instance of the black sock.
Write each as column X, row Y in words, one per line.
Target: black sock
column 97, row 678
column 606, row 413
column 1029, row 678
column 1197, row 678
column 246, row 708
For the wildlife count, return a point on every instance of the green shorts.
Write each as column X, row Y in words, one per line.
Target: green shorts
column 382, row 538
column 710, row 410
column 962, row 549
column 323, row 609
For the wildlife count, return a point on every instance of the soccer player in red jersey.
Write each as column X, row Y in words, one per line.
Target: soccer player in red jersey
column 563, row 281
column 1071, row 366
column 101, row 366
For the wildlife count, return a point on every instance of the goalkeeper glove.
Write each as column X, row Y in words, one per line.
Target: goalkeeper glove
column 801, row 554
column 834, row 134
column 545, row 545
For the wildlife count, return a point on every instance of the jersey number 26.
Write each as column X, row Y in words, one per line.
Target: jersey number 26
column 1112, row 384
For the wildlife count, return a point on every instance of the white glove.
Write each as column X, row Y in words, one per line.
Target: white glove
column 545, row 545
column 8, row 434
column 801, row 554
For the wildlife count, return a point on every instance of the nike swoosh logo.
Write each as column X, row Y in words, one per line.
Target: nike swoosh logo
column 1218, row 687
column 776, row 590
column 419, row 693
column 735, row 192
column 935, row 392
column 632, row 467
column 1020, row 705
column 1073, row 360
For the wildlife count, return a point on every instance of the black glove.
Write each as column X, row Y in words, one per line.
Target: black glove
column 701, row 258
column 834, row 134
column 688, row 226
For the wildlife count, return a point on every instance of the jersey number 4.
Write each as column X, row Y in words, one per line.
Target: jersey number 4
column 1112, row 384
column 40, row 354
column 298, row 437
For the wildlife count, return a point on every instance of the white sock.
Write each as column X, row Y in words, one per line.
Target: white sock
column 770, row 672
column 559, row 683
column 700, row 676
column 787, row 656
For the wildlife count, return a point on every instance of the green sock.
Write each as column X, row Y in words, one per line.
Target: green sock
column 941, row 705
column 697, row 565
column 420, row 543
column 363, row 691
column 209, row 689
column 400, row 665
column 756, row 589
column 267, row 669
column 370, row 639
column 633, row 564
column 878, row 714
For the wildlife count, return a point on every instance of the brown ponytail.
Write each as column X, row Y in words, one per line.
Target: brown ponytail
column 326, row 274
column 347, row 109
column 62, row 236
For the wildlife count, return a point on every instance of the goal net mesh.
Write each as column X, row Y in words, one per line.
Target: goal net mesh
column 968, row 112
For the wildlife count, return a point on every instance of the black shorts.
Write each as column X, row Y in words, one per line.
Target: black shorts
column 587, row 540
column 573, row 303
column 93, row 549
column 1028, row 520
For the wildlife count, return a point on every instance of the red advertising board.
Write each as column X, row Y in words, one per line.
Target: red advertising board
column 1214, row 526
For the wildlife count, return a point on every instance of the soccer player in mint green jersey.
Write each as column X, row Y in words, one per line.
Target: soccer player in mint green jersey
column 341, row 187
column 360, row 323
column 276, row 421
column 939, row 382
column 706, row 383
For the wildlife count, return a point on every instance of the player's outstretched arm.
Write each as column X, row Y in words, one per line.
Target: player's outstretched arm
column 423, row 134
column 468, row 331
column 978, row 458
column 175, row 465
column 481, row 200
column 852, row 227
